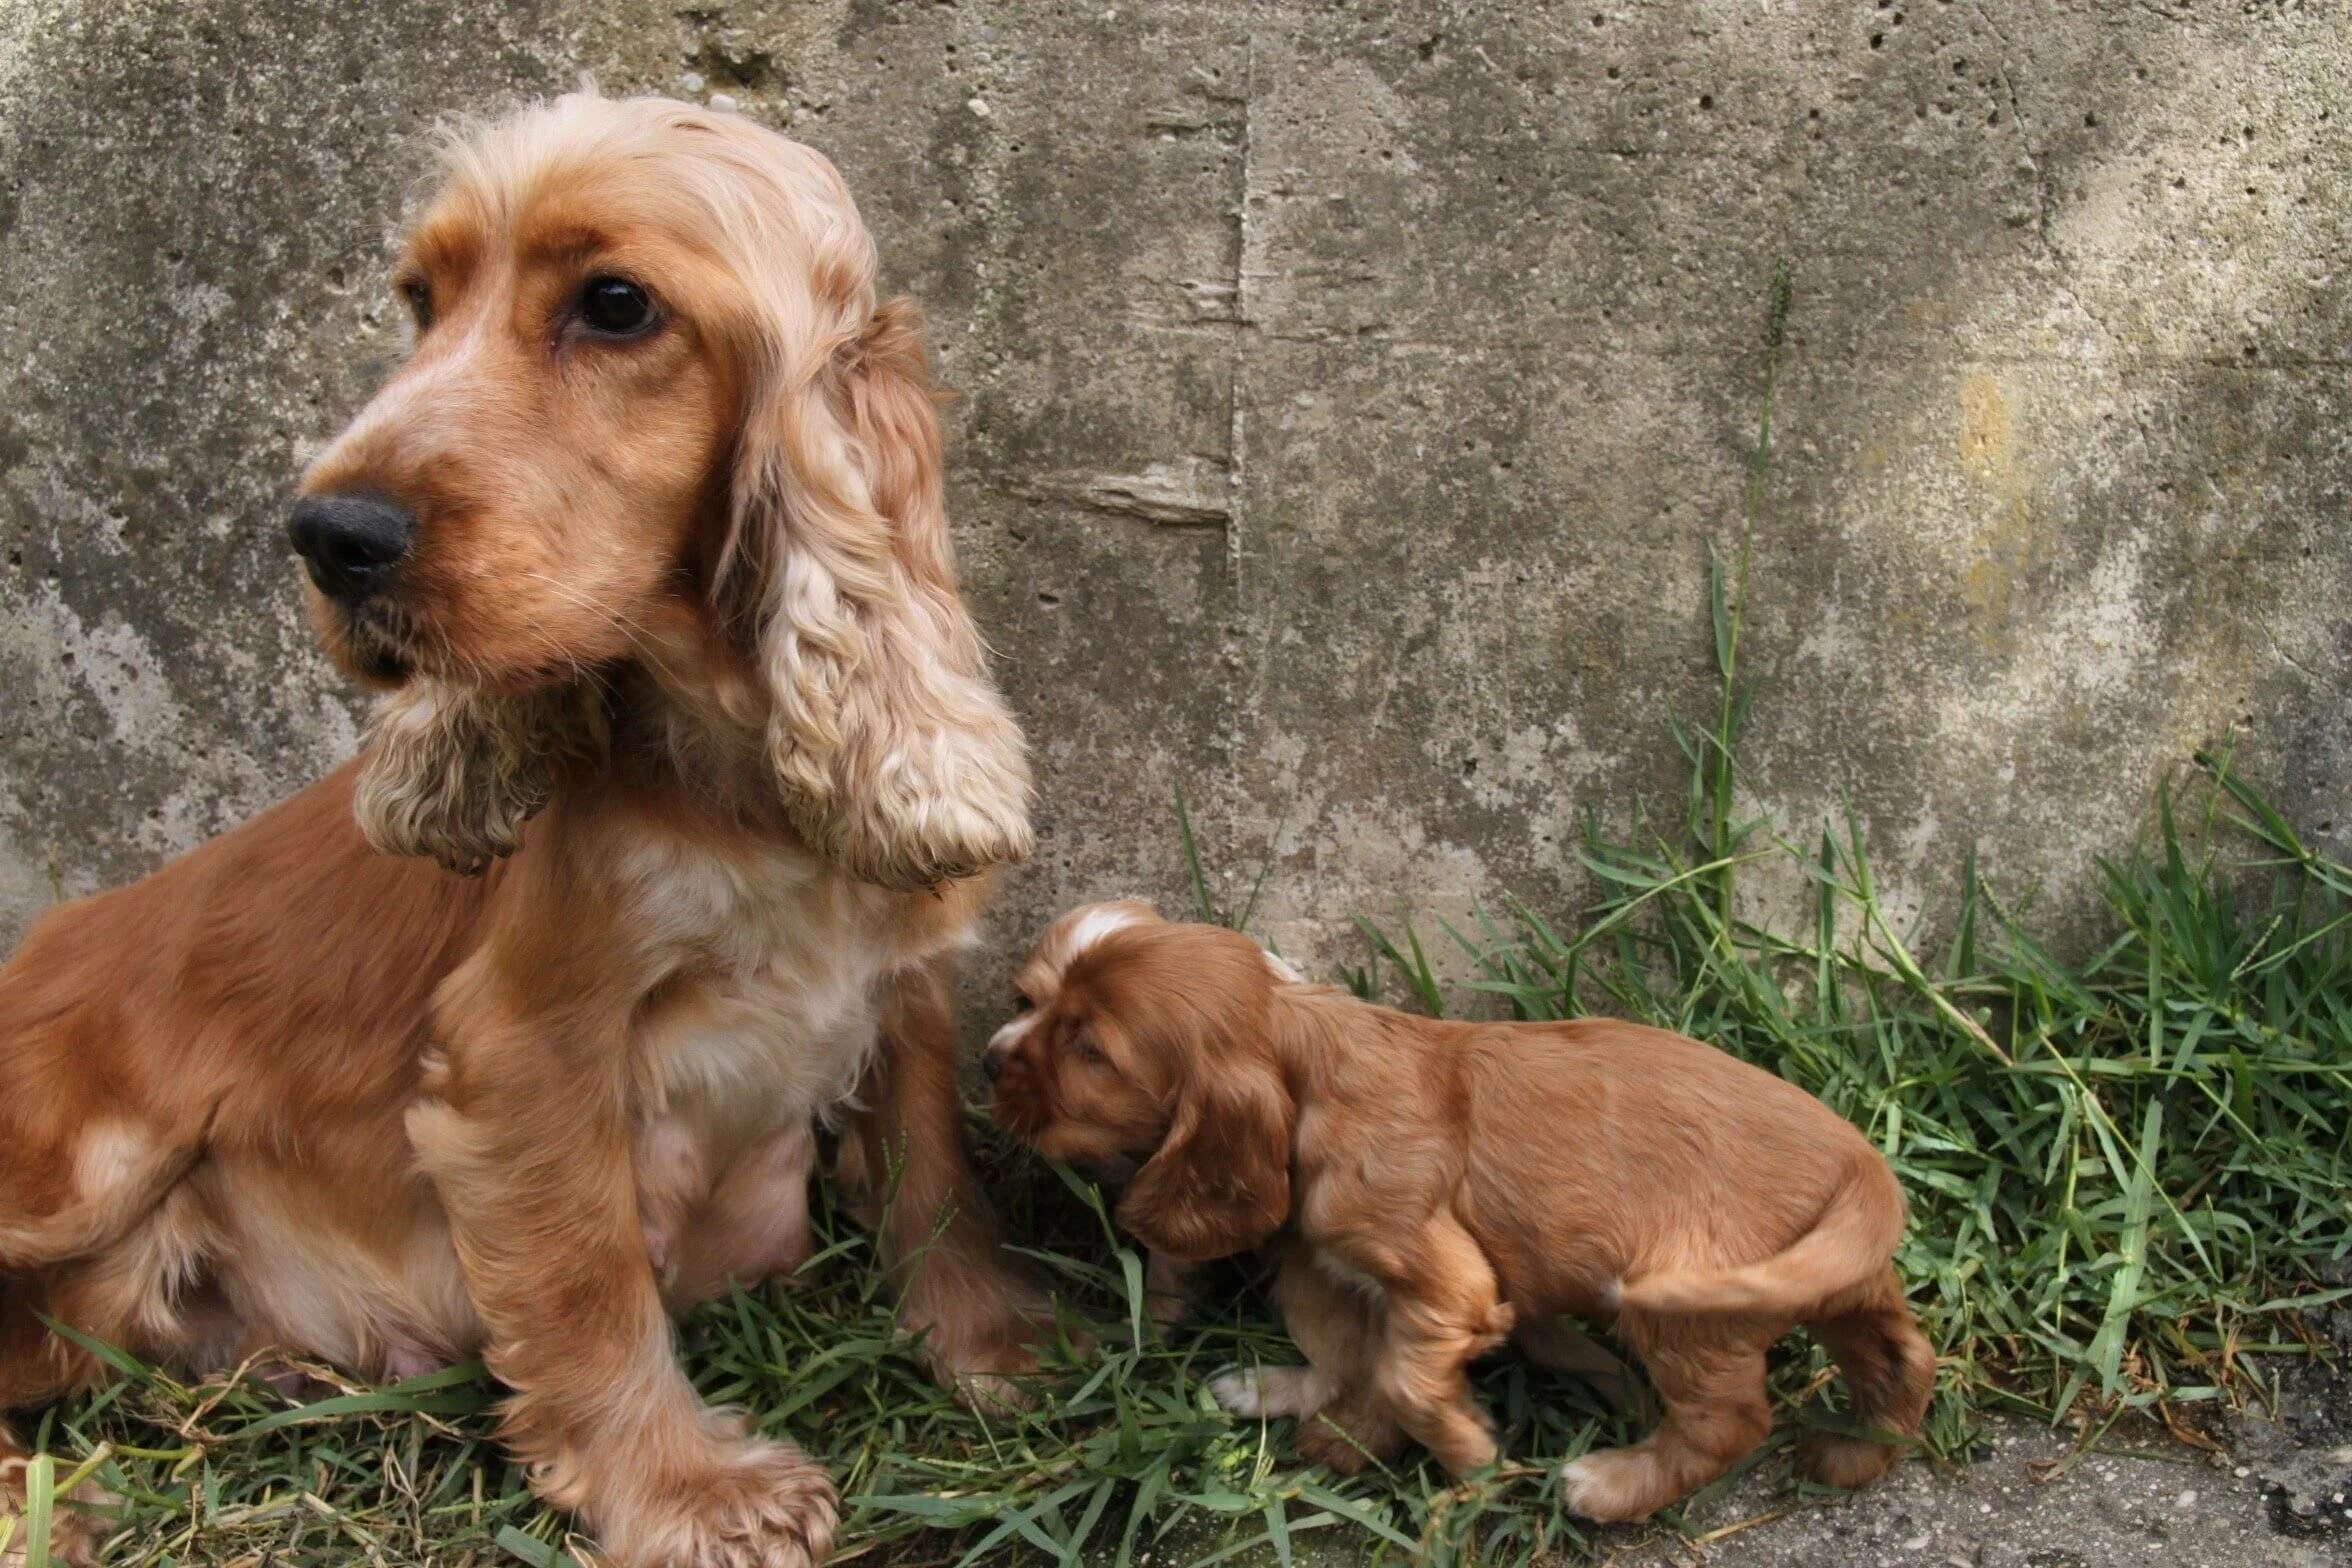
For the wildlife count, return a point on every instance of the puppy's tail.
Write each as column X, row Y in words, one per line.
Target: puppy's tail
column 1847, row 1248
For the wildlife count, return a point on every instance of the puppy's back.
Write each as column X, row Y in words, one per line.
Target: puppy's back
column 1602, row 1151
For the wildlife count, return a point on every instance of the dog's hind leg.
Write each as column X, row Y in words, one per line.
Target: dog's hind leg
column 1716, row 1413
column 1890, row 1372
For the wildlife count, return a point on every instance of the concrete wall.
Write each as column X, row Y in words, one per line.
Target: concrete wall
column 1349, row 396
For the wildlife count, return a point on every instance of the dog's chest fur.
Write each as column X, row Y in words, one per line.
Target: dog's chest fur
column 772, row 964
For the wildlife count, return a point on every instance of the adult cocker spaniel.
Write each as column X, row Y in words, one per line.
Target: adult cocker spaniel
column 509, row 1036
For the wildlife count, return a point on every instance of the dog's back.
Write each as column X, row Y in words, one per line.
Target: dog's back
column 1604, row 1156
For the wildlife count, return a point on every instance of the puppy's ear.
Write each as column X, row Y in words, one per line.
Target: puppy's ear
column 896, row 756
column 1220, row 1181
column 454, row 773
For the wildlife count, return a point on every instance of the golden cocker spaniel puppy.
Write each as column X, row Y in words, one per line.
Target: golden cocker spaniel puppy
column 1429, row 1189
column 510, row 1036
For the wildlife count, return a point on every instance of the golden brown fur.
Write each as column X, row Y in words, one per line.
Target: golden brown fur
column 1431, row 1188
column 679, row 636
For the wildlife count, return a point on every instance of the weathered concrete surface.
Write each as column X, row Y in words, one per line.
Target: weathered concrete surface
column 1350, row 394
column 2026, row 1504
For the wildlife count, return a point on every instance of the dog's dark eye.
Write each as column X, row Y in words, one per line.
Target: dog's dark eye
column 1021, row 1002
column 419, row 297
column 615, row 307
column 1088, row 1051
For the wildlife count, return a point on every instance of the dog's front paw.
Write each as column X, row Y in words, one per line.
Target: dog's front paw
column 984, row 1330
column 1614, row 1486
column 75, row 1531
column 759, row 1505
column 1261, row 1392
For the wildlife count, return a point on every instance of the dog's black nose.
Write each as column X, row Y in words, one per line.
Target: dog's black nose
column 350, row 543
column 992, row 1063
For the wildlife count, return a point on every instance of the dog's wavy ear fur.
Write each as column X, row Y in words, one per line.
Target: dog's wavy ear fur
column 897, row 757
column 455, row 773
column 1220, row 1181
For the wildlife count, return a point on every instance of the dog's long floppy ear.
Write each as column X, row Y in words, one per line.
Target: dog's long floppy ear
column 455, row 773
column 896, row 754
column 1220, row 1181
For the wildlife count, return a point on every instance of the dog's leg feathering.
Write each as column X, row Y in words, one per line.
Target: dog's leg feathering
column 904, row 1169
column 529, row 1145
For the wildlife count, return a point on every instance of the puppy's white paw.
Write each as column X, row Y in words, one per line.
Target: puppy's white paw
column 1274, row 1391
column 1612, row 1486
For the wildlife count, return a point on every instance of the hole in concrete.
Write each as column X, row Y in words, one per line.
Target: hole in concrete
column 1706, row 100
column 1878, row 40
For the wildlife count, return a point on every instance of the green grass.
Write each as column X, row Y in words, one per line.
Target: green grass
column 2128, row 1169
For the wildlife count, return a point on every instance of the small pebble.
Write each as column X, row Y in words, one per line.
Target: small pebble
column 978, row 106
column 723, row 102
column 692, row 81
column 2186, row 1499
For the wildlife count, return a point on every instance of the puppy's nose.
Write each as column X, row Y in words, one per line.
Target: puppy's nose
column 350, row 543
column 992, row 1062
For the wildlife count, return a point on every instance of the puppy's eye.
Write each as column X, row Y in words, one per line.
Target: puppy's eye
column 615, row 307
column 1089, row 1052
column 1021, row 1002
column 419, row 299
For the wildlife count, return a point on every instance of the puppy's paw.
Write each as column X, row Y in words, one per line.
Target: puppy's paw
column 760, row 1505
column 1834, row 1459
column 75, row 1531
column 1167, row 1289
column 1612, row 1486
column 1261, row 1392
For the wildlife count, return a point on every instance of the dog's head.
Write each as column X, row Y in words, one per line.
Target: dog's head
column 1142, row 1040
column 654, row 415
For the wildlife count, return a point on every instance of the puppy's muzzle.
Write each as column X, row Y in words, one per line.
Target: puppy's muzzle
column 351, row 544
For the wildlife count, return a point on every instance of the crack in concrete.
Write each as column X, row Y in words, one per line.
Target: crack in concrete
column 2279, row 651
column 1237, row 433
column 1173, row 495
column 2045, row 190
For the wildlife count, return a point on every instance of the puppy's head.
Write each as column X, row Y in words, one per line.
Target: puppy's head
column 654, row 414
column 1139, row 1040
